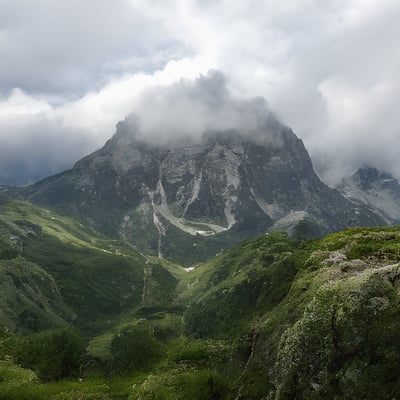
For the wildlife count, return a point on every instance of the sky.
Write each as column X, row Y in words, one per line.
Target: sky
column 70, row 70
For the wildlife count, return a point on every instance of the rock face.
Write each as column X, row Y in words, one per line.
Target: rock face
column 189, row 200
column 375, row 189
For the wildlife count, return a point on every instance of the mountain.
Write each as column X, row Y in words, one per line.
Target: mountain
column 377, row 190
column 189, row 199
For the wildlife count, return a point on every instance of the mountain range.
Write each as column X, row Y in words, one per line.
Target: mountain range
column 187, row 200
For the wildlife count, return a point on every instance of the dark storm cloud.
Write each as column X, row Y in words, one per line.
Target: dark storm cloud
column 35, row 150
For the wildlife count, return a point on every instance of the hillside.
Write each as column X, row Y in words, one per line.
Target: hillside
column 272, row 318
column 55, row 271
column 322, row 317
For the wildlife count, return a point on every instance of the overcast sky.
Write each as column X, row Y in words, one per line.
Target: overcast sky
column 70, row 70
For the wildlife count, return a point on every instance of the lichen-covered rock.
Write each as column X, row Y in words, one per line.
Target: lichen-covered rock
column 347, row 343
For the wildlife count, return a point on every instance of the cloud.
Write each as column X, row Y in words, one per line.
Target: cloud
column 38, row 139
column 73, row 46
column 33, row 140
column 48, row 139
column 328, row 69
column 309, row 59
column 189, row 108
column 362, row 129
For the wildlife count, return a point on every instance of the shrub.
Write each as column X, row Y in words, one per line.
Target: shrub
column 135, row 348
column 204, row 385
column 53, row 354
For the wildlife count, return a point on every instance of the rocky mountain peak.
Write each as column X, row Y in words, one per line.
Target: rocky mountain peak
column 190, row 198
column 369, row 178
column 376, row 189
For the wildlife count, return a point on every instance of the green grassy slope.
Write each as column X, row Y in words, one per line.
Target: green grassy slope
column 240, row 285
column 336, row 333
column 30, row 299
column 322, row 317
column 272, row 318
column 55, row 271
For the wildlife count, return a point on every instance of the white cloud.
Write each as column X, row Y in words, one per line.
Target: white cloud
column 19, row 104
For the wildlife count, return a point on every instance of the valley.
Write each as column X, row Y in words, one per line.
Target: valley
column 273, row 317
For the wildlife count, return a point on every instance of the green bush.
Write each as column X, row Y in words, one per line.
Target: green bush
column 79, row 395
column 187, row 349
column 174, row 385
column 7, row 252
column 135, row 348
column 204, row 385
column 53, row 355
